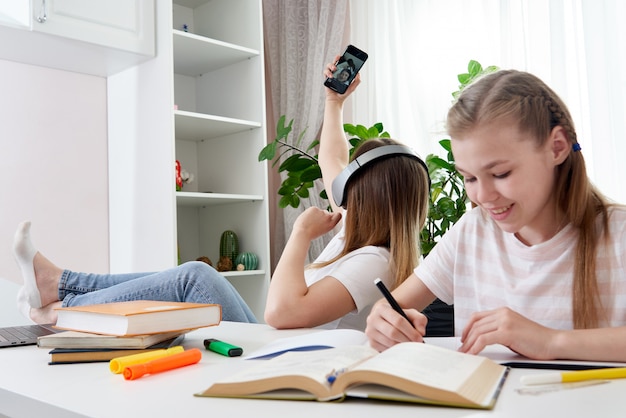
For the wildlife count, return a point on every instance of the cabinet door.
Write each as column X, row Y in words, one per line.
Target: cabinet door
column 122, row 24
column 15, row 13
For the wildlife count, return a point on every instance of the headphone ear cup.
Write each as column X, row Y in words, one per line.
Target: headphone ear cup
column 339, row 184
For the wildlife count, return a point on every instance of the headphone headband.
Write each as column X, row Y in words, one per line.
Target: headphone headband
column 379, row 153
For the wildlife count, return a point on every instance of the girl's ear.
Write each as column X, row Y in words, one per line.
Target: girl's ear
column 559, row 144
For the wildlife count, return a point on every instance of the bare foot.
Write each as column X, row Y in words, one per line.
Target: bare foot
column 47, row 276
column 45, row 315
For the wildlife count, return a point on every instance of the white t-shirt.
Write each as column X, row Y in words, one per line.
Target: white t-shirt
column 479, row 267
column 357, row 272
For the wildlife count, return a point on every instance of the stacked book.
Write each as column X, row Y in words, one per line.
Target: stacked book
column 99, row 333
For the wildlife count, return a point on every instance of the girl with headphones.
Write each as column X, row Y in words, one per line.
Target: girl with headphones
column 380, row 203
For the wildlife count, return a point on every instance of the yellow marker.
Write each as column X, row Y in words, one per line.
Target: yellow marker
column 117, row 365
column 578, row 376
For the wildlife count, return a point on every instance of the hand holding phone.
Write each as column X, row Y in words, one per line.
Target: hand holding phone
column 348, row 66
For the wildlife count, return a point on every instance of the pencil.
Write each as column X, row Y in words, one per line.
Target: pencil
column 577, row 376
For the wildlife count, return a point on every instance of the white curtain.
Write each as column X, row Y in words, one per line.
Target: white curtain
column 301, row 36
column 417, row 48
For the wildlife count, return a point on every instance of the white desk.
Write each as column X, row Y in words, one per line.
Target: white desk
column 29, row 387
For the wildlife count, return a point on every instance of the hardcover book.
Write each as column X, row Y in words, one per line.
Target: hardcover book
column 94, row 355
column 138, row 317
column 406, row 372
column 87, row 340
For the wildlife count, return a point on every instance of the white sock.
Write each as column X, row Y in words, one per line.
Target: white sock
column 22, row 304
column 24, row 252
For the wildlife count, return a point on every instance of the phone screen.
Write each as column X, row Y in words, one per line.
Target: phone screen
column 348, row 66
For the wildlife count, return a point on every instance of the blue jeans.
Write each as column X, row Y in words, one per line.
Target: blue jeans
column 194, row 281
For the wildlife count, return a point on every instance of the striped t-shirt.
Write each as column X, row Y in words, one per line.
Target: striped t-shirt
column 479, row 267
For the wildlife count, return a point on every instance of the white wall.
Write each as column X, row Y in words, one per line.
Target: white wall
column 53, row 142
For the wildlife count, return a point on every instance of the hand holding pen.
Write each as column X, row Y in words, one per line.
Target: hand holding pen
column 392, row 301
column 385, row 330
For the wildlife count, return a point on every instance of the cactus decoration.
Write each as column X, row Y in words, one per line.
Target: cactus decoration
column 249, row 261
column 229, row 246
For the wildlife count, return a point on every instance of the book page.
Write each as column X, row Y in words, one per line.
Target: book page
column 317, row 365
column 315, row 340
column 426, row 364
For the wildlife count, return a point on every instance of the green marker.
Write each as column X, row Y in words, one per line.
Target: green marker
column 222, row 348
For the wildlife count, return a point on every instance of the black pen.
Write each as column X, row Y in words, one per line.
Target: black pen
column 387, row 294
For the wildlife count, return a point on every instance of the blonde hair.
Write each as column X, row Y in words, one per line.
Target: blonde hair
column 387, row 204
column 522, row 97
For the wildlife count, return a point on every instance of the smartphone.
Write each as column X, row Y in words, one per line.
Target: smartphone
column 348, row 66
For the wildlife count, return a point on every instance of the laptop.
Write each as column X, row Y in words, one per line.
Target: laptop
column 23, row 335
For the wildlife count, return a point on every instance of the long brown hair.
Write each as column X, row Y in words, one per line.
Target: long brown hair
column 387, row 207
column 524, row 98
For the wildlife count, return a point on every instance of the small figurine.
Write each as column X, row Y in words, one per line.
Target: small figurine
column 179, row 178
column 225, row 264
column 205, row 259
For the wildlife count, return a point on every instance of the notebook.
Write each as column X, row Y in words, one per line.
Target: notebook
column 23, row 335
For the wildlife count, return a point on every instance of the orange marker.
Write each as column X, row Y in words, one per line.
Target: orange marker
column 174, row 361
column 117, row 365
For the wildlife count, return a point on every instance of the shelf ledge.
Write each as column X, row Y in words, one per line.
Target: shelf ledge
column 242, row 273
column 192, row 126
column 199, row 199
column 195, row 55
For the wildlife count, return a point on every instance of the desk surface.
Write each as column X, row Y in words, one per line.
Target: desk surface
column 30, row 387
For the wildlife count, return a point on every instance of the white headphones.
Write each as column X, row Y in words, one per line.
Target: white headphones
column 376, row 154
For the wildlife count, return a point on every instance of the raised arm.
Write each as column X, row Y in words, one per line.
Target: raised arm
column 291, row 303
column 334, row 147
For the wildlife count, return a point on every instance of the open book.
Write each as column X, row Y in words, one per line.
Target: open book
column 407, row 372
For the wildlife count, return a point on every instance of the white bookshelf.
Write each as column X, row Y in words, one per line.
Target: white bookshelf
column 219, row 129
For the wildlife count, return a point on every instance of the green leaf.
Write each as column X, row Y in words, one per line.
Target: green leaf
column 268, row 152
column 312, row 173
column 464, row 78
column 296, row 163
column 354, row 142
column 433, row 162
column 299, row 140
column 281, row 130
column 447, row 207
column 303, row 193
column 362, row 132
column 284, row 202
column 379, row 127
column 349, row 129
column 293, row 180
column 446, row 144
column 313, row 145
column 474, row 68
column 491, row 69
column 284, row 190
column 373, row 132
